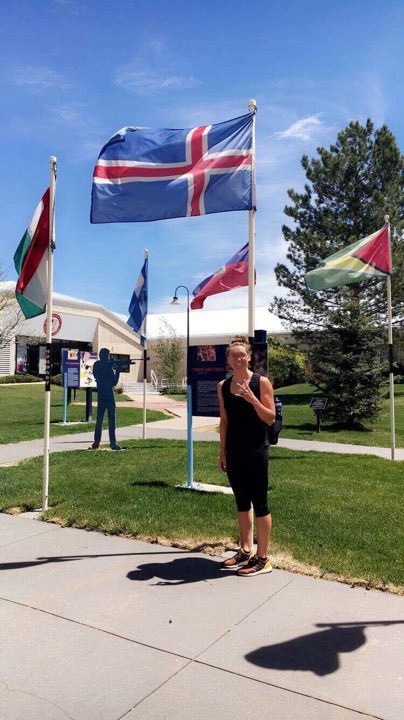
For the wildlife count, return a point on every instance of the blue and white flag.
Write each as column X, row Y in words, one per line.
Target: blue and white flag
column 144, row 174
column 138, row 304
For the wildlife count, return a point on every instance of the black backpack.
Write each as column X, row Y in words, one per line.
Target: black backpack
column 274, row 429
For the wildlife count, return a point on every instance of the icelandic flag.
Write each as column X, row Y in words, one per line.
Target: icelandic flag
column 138, row 304
column 144, row 174
column 231, row 276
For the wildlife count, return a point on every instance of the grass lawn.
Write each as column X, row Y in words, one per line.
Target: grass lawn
column 22, row 413
column 299, row 420
column 341, row 513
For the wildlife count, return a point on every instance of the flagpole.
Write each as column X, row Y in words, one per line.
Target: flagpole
column 252, row 107
column 390, row 343
column 146, row 255
column 52, row 189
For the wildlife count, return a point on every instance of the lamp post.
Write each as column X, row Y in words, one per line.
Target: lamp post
column 190, row 451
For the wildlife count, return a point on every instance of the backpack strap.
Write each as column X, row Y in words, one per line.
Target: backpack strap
column 255, row 385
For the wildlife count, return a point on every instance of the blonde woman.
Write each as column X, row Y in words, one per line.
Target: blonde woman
column 246, row 403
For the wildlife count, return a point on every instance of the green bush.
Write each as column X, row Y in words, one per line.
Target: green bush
column 286, row 363
column 56, row 380
column 173, row 390
column 12, row 379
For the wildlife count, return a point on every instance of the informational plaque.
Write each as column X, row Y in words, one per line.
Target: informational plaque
column 207, row 366
column 71, row 368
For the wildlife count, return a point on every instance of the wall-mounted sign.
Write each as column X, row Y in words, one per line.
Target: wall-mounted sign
column 56, row 324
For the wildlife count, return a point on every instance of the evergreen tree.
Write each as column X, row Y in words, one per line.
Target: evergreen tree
column 350, row 188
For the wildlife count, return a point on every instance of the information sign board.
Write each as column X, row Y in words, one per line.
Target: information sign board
column 87, row 379
column 318, row 403
column 71, row 368
column 207, row 366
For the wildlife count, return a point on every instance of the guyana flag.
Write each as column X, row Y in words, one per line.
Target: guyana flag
column 31, row 262
column 363, row 260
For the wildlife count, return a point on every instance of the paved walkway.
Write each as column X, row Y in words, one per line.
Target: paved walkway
column 106, row 628
column 174, row 428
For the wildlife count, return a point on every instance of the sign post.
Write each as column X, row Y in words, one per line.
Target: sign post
column 318, row 405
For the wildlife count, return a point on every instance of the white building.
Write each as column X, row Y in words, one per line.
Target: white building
column 87, row 326
column 75, row 324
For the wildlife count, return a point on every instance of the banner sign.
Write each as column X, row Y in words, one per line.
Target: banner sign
column 207, row 366
column 48, row 354
column 21, row 365
column 259, row 359
column 42, row 360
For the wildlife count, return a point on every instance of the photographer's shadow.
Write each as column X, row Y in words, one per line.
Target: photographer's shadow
column 180, row 571
column 318, row 652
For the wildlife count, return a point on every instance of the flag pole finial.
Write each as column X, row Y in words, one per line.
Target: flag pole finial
column 252, row 105
column 387, row 218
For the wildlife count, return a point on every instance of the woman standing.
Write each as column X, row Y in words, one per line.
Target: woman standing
column 246, row 403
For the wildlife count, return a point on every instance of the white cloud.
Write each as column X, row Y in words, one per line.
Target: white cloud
column 72, row 114
column 303, row 129
column 154, row 69
column 146, row 82
column 36, row 79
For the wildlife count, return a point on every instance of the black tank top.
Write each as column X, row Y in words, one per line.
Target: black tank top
column 245, row 431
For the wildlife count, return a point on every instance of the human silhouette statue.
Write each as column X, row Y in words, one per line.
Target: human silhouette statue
column 106, row 373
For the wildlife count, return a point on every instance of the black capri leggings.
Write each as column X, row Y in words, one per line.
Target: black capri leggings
column 248, row 478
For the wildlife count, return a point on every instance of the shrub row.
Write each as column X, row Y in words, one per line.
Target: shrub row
column 11, row 379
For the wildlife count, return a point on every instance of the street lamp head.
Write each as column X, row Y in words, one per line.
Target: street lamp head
column 175, row 301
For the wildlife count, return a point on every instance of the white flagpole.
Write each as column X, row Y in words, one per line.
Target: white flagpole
column 146, row 255
column 390, row 342
column 45, row 476
column 252, row 107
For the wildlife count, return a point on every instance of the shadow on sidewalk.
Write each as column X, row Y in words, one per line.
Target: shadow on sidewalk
column 180, row 571
column 71, row 558
column 318, row 652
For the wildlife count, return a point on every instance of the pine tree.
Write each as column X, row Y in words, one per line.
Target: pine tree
column 350, row 188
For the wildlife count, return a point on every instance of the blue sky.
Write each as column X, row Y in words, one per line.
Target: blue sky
column 73, row 72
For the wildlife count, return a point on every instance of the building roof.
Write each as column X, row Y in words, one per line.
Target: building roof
column 203, row 323
column 214, row 322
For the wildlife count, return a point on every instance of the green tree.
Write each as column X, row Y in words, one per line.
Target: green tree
column 345, row 364
column 11, row 316
column 349, row 189
column 286, row 363
column 170, row 354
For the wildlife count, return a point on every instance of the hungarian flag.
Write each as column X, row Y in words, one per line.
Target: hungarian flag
column 231, row 276
column 30, row 260
column 363, row 260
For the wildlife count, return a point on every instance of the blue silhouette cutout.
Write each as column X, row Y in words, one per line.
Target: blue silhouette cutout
column 106, row 373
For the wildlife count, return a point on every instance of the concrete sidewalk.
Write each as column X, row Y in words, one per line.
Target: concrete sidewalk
column 105, row 628
column 174, row 428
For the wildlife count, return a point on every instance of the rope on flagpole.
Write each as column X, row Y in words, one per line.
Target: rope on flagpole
column 390, row 346
column 252, row 107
